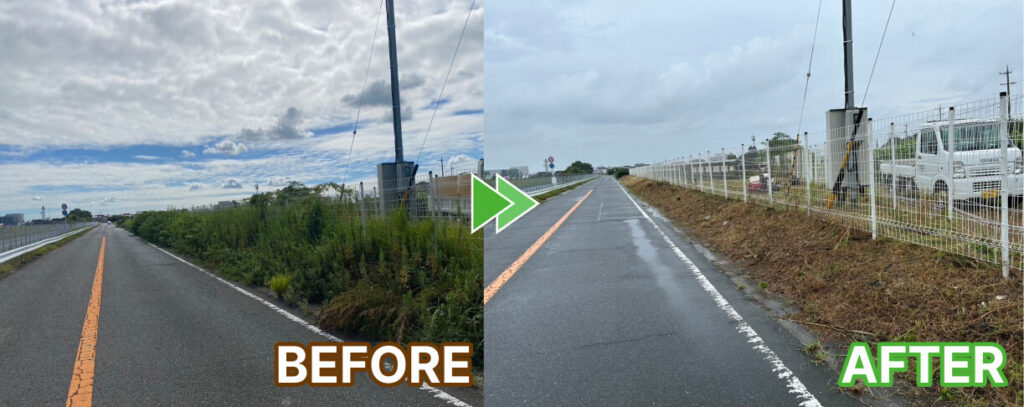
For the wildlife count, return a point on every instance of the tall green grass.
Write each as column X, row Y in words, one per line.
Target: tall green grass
column 387, row 282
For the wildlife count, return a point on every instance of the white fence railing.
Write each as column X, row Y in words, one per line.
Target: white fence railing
column 13, row 237
column 906, row 177
column 539, row 185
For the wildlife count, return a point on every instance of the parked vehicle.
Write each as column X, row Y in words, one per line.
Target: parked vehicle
column 976, row 161
column 759, row 183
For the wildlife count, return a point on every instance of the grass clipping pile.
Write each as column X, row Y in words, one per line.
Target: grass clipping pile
column 840, row 278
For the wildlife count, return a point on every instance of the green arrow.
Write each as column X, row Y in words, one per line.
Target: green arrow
column 521, row 203
column 487, row 203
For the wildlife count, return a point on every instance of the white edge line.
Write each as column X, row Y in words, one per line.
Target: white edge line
column 438, row 393
column 792, row 382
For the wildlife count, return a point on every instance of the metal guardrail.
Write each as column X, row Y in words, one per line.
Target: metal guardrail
column 15, row 237
column 538, row 185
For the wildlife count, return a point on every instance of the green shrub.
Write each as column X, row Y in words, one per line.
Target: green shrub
column 388, row 282
column 280, row 283
column 621, row 172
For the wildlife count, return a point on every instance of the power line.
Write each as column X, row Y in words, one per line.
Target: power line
column 437, row 101
column 362, row 92
column 810, row 61
column 879, row 52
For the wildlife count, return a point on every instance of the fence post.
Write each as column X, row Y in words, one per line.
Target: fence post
column 951, row 149
column 380, row 199
column 725, row 181
column 808, row 171
column 693, row 177
column 892, row 162
column 362, row 207
column 711, row 174
column 700, row 168
column 686, row 172
column 743, row 169
column 678, row 172
column 871, row 176
column 768, row 158
column 1004, row 140
column 432, row 199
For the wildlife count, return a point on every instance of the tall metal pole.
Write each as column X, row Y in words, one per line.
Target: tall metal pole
column 848, row 52
column 396, row 106
column 1004, row 140
column 1007, row 72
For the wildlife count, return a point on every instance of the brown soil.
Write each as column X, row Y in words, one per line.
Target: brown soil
column 861, row 289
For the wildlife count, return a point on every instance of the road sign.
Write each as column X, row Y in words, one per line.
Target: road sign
column 551, row 166
column 551, row 160
column 64, row 212
column 488, row 203
column 64, row 206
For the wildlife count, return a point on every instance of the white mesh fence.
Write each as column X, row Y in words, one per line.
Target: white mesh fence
column 901, row 177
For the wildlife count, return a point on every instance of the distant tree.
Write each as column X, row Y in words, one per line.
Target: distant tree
column 579, row 167
column 79, row 215
column 294, row 191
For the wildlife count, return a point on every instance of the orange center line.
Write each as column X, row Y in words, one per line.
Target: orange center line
column 80, row 392
column 512, row 269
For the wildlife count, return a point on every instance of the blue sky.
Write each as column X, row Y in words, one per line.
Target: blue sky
column 115, row 107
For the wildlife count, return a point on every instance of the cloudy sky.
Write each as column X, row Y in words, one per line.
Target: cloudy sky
column 113, row 106
column 625, row 82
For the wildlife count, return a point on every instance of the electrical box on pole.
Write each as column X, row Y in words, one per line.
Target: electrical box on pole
column 846, row 153
column 395, row 178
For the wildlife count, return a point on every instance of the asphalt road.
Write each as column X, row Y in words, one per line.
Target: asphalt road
column 607, row 312
column 168, row 334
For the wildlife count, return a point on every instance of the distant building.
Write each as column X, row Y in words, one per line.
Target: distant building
column 511, row 172
column 522, row 170
column 12, row 219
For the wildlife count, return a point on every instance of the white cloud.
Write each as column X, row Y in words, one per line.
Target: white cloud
column 226, row 147
column 147, row 157
column 237, row 86
column 180, row 72
column 278, row 181
column 232, row 183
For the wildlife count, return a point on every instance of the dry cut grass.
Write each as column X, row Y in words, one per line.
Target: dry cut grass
column 852, row 288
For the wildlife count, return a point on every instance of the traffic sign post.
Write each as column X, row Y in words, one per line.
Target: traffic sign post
column 551, row 169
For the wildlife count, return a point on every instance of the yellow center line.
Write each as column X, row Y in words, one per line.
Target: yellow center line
column 80, row 392
column 512, row 269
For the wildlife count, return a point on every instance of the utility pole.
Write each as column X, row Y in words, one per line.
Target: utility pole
column 396, row 178
column 1007, row 72
column 848, row 53
column 396, row 106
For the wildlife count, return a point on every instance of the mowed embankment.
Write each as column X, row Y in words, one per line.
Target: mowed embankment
column 845, row 282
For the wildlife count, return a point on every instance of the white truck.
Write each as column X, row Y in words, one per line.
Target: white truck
column 975, row 166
